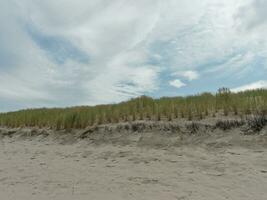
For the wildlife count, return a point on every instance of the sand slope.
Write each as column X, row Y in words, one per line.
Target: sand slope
column 226, row 165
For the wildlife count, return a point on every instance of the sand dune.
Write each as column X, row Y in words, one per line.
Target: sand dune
column 213, row 165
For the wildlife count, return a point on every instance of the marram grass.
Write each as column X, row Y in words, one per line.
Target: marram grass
column 142, row 108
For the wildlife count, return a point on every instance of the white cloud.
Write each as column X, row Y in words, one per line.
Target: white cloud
column 256, row 85
column 119, row 84
column 251, row 23
column 238, row 65
column 117, row 69
column 189, row 75
column 252, row 16
column 206, row 32
column 177, row 83
column 121, row 39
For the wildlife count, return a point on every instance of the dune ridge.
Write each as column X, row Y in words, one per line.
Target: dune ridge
column 216, row 158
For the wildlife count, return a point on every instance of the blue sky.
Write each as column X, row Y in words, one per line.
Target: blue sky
column 66, row 52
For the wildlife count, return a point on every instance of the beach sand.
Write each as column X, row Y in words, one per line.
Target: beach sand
column 44, row 168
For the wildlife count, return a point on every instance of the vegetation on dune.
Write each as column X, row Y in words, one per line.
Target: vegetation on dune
column 142, row 108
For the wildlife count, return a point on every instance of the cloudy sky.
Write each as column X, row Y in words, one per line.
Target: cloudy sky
column 80, row 52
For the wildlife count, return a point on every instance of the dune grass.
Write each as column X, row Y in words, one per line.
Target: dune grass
column 142, row 108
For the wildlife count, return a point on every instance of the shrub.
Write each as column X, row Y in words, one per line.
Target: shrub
column 257, row 122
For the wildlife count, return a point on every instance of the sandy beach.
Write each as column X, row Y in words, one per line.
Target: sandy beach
column 225, row 166
column 133, row 100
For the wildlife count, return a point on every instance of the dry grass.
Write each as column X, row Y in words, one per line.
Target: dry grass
column 144, row 108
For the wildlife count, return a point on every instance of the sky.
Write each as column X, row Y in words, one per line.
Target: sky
column 79, row 52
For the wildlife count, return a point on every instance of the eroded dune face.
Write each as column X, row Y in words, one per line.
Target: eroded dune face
column 156, row 161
